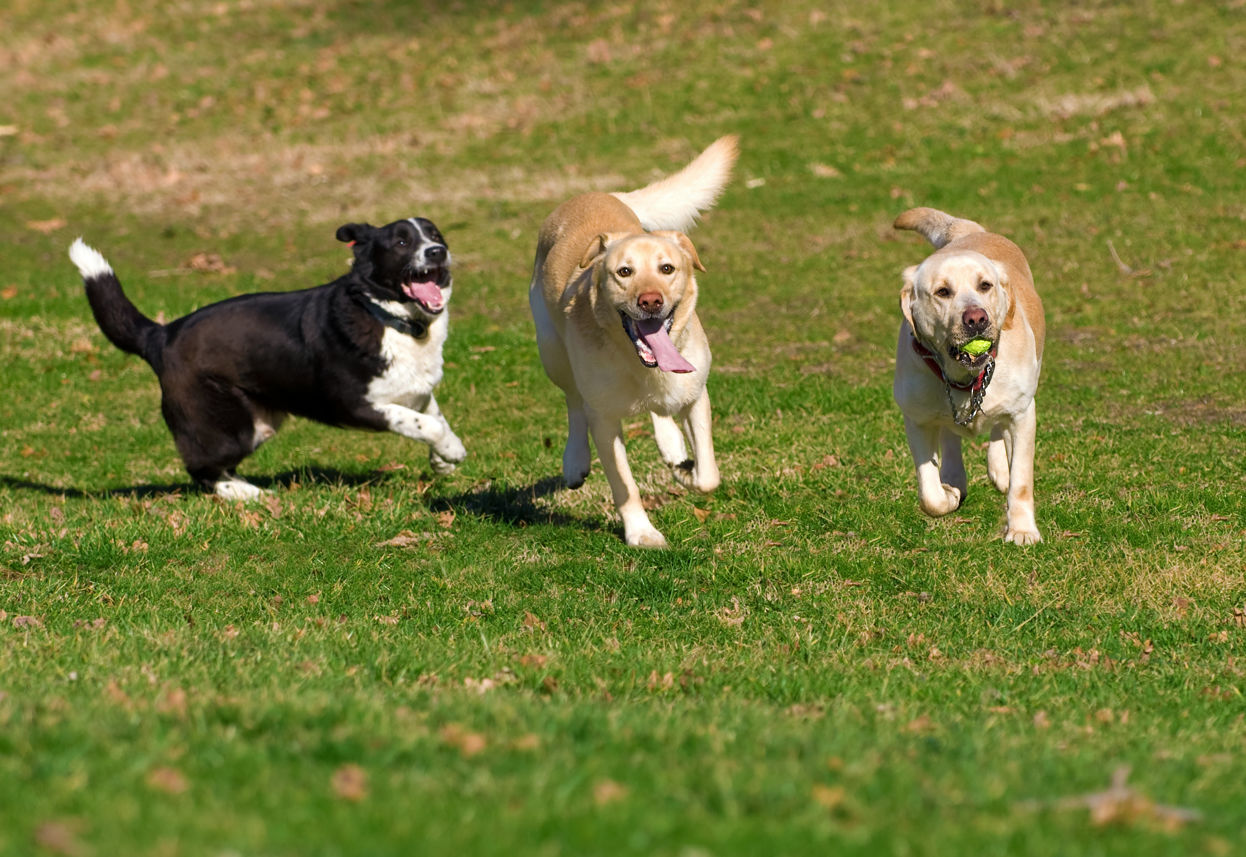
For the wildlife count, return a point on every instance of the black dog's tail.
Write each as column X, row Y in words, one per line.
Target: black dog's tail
column 122, row 323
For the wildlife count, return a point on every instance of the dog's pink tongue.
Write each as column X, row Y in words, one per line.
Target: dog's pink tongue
column 426, row 293
column 653, row 332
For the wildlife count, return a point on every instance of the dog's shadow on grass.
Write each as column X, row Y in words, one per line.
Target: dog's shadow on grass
column 283, row 480
column 516, row 506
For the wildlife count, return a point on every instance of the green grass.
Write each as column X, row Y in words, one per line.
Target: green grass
column 379, row 662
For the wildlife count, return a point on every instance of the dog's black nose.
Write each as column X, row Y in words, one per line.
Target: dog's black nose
column 435, row 255
column 975, row 319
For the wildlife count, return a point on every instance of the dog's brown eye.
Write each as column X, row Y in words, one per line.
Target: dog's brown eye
column 985, row 286
column 624, row 271
column 943, row 292
column 667, row 268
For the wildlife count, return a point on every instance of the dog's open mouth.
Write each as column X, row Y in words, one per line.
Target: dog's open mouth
column 970, row 360
column 652, row 338
column 423, row 285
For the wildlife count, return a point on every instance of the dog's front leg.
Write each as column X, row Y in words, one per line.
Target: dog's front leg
column 698, row 423
column 937, row 498
column 670, row 440
column 608, row 438
column 449, row 451
column 426, row 428
column 1022, row 528
column 952, row 462
column 998, row 455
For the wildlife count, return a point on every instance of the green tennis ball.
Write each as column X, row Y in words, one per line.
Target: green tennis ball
column 976, row 346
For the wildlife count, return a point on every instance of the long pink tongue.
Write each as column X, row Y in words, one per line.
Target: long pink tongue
column 653, row 332
column 426, row 293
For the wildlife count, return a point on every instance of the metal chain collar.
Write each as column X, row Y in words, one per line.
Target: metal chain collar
column 976, row 394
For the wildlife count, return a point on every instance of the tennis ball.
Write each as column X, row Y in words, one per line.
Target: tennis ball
column 976, row 346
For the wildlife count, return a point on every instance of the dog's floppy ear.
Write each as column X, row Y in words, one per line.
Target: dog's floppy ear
column 352, row 233
column 906, row 294
column 595, row 248
column 1005, row 289
column 685, row 244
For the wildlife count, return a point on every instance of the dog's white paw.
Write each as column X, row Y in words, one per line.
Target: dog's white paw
column 1022, row 536
column 440, row 466
column 946, row 501
column 693, row 478
column 450, row 449
column 647, row 537
column 234, row 489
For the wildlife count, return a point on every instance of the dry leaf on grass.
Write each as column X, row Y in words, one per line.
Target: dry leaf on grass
column 828, row 797
column 920, row 725
column 406, row 539
column 61, row 837
column 527, row 743
column 608, row 792
column 466, row 742
column 47, row 227
column 734, row 615
column 209, row 263
column 1120, row 804
column 663, row 682
column 168, row 780
column 350, row 782
column 173, row 702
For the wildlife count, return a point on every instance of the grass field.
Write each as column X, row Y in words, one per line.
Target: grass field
column 375, row 661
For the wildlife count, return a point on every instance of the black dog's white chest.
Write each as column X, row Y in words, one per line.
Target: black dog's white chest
column 412, row 367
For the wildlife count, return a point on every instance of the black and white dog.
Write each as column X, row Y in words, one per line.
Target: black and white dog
column 363, row 351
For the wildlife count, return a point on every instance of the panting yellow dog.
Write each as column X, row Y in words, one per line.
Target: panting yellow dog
column 614, row 296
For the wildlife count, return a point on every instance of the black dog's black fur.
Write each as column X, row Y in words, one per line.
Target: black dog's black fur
column 229, row 372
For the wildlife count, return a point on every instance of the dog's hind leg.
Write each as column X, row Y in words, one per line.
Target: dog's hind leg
column 576, row 459
column 215, row 429
column 701, row 472
column 608, row 438
column 997, row 457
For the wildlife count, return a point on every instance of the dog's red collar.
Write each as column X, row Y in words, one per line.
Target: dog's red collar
column 928, row 358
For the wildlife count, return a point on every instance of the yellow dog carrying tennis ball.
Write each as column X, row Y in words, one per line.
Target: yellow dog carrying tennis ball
column 976, row 346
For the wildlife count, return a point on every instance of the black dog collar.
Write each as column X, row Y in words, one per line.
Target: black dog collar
column 414, row 329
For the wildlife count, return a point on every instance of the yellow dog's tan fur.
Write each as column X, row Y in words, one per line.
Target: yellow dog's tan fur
column 976, row 269
column 601, row 257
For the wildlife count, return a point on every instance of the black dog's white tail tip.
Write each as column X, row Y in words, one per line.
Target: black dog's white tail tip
column 90, row 262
